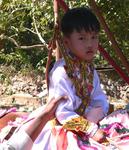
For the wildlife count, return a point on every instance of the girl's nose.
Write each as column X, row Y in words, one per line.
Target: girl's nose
column 88, row 43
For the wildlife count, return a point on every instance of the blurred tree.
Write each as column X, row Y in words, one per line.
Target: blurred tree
column 26, row 26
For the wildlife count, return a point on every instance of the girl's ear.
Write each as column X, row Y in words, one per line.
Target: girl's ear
column 65, row 41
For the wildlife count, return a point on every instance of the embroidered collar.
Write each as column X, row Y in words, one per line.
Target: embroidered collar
column 81, row 75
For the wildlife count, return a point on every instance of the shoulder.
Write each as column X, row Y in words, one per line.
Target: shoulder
column 58, row 65
column 96, row 79
column 58, row 70
column 96, row 76
column 6, row 146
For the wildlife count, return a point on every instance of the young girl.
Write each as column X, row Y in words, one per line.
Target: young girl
column 75, row 76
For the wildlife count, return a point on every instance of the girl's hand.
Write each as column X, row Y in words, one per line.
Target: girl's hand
column 95, row 114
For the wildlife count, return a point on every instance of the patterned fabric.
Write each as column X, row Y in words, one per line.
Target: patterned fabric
column 81, row 75
column 7, row 131
column 58, row 138
column 116, row 126
column 77, row 124
column 5, row 111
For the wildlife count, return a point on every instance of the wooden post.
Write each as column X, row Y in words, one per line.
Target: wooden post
column 109, row 34
column 57, row 26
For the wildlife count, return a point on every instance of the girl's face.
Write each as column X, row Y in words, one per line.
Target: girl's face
column 82, row 44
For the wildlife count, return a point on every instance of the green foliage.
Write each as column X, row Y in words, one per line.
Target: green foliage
column 116, row 14
column 21, row 19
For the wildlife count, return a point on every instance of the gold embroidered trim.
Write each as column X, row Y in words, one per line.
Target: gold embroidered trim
column 77, row 124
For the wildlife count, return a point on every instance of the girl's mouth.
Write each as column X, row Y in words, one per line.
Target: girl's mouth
column 89, row 52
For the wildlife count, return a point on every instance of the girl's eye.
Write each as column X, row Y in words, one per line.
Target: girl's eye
column 94, row 37
column 81, row 38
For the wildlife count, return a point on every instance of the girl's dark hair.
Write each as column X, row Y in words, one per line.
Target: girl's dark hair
column 78, row 19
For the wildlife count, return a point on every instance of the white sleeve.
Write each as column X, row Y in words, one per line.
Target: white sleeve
column 98, row 97
column 19, row 141
column 6, row 146
column 61, row 85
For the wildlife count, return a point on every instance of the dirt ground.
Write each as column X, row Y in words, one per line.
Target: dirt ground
column 24, row 99
column 23, row 102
